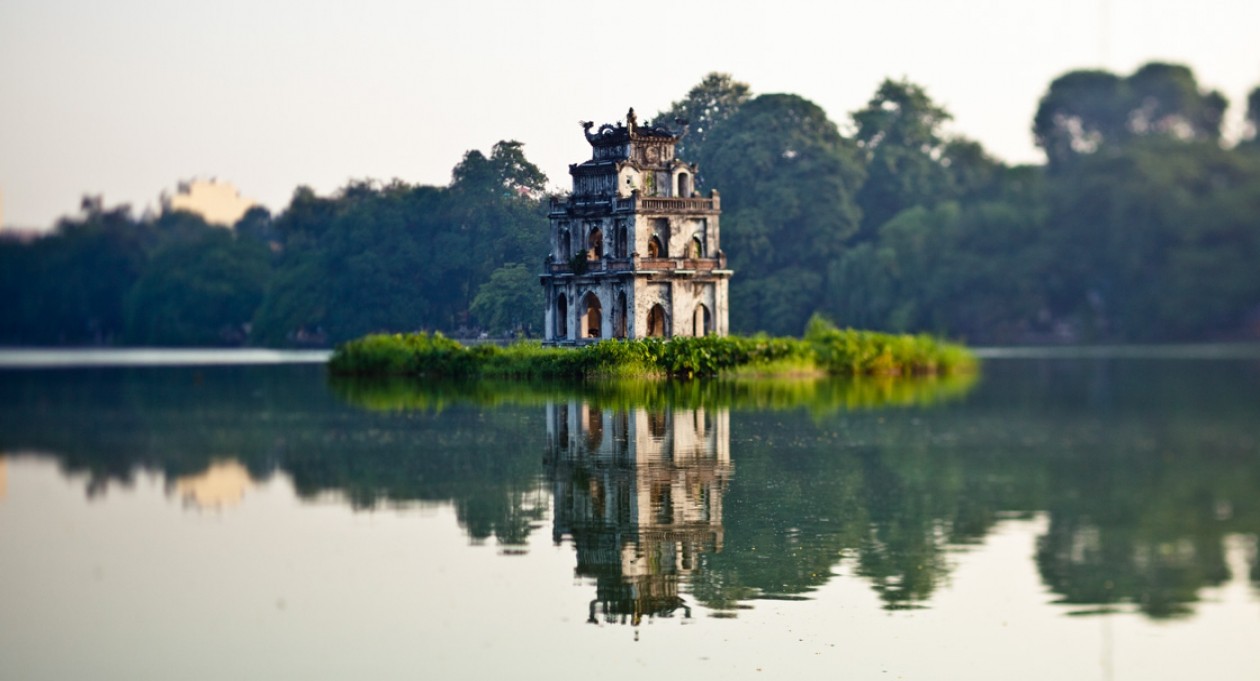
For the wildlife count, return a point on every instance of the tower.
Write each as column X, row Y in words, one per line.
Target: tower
column 635, row 250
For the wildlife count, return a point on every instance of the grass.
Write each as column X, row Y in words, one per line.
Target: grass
column 824, row 349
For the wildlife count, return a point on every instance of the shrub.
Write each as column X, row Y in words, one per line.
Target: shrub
column 835, row 351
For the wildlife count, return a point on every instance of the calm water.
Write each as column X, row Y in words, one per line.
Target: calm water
column 1084, row 518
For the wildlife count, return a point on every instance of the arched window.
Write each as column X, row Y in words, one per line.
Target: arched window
column 562, row 317
column 656, row 322
column 566, row 246
column 596, row 243
column 620, row 250
column 660, row 230
column 701, row 321
column 655, row 250
column 592, row 316
column 619, row 316
column 684, row 185
column 696, row 248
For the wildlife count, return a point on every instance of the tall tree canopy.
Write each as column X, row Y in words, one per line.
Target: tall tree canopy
column 712, row 101
column 909, row 161
column 1252, row 133
column 1084, row 111
column 791, row 180
column 400, row 257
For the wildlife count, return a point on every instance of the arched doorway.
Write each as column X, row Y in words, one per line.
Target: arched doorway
column 696, row 249
column 592, row 316
column 620, row 251
column 562, row 317
column 566, row 246
column 655, row 250
column 619, row 316
column 701, row 322
column 656, row 322
column 684, row 185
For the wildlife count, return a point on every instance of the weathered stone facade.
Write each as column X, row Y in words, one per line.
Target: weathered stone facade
column 635, row 250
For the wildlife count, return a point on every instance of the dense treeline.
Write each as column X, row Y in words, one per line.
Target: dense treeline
column 1142, row 226
column 326, row 269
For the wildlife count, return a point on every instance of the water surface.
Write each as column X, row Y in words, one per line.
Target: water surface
column 1091, row 518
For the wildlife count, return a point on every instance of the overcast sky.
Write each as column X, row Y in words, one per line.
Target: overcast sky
column 126, row 97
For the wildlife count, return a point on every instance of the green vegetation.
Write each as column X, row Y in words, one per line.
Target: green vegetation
column 820, row 395
column 1140, row 226
column 824, row 349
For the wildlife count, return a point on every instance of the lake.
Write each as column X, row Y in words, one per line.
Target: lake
column 1087, row 516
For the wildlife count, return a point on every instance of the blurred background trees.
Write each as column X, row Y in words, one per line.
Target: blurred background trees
column 1141, row 226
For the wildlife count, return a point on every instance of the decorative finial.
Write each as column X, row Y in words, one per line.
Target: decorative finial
column 632, row 121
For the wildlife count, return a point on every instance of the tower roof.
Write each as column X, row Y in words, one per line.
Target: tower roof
column 609, row 135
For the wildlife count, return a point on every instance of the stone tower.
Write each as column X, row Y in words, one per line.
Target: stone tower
column 635, row 250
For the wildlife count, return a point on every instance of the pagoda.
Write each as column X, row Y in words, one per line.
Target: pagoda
column 635, row 249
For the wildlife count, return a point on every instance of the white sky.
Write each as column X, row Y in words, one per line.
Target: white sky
column 127, row 97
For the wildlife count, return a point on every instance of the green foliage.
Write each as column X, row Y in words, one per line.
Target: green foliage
column 1087, row 111
column 512, row 301
column 838, row 352
column 712, row 101
column 1152, row 239
column 899, row 134
column 866, row 353
column 198, row 291
column 788, row 181
column 399, row 257
column 1252, row 133
column 821, row 395
column 71, row 286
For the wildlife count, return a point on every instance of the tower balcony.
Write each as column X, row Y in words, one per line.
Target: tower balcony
column 635, row 203
column 639, row 264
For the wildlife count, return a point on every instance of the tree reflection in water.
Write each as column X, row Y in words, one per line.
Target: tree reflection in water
column 1142, row 471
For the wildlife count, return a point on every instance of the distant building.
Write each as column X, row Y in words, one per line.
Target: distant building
column 635, row 250
column 219, row 203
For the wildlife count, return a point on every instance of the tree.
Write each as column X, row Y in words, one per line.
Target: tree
column 399, row 257
column 1165, row 99
column 788, row 181
column 1152, row 239
column 1252, row 133
column 84, row 272
column 1085, row 111
column 198, row 291
column 506, row 171
column 712, row 101
column 899, row 133
column 511, row 300
column 1080, row 111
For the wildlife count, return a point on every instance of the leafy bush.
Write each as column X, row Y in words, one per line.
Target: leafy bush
column 824, row 348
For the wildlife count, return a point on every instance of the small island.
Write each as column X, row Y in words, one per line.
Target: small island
column 825, row 350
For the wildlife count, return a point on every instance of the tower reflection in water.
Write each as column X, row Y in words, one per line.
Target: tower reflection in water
column 639, row 492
